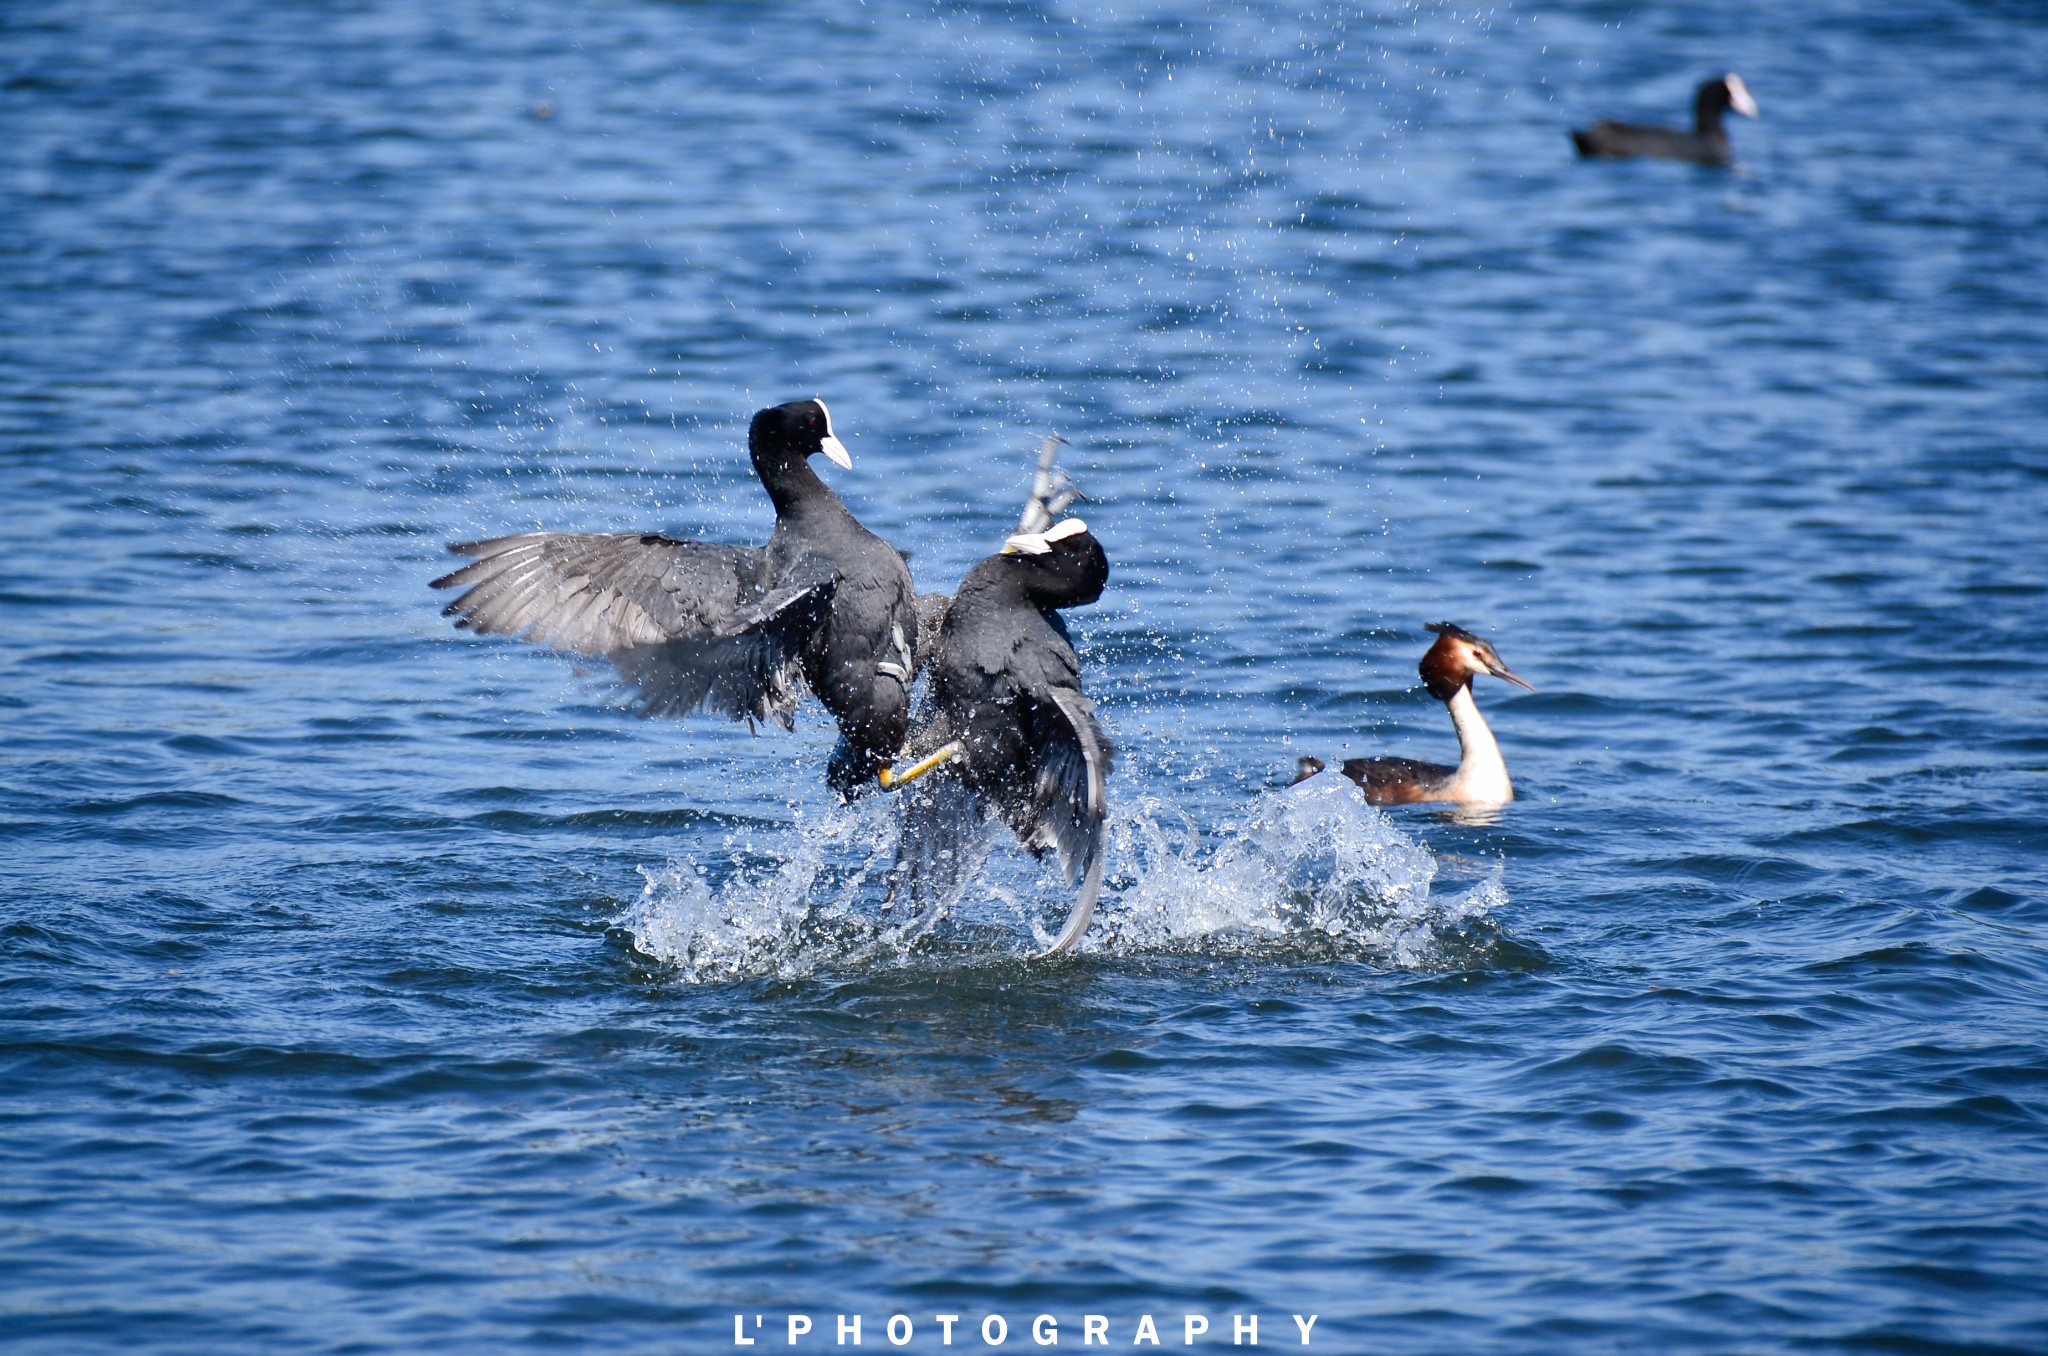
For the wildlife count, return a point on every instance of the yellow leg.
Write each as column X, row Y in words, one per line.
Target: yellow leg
column 891, row 779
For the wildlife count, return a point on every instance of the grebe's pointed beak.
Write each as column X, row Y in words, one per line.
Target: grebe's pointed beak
column 1506, row 674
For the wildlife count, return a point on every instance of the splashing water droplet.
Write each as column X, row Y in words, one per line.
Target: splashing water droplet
column 1312, row 866
column 1309, row 872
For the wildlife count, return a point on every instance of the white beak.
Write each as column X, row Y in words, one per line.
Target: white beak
column 1739, row 97
column 831, row 446
column 1026, row 544
column 1040, row 543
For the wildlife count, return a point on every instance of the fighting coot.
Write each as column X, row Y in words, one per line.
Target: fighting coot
column 741, row 631
column 1006, row 728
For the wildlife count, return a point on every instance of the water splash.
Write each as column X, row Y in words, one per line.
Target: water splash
column 785, row 909
column 1309, row 868
column 1308, row 872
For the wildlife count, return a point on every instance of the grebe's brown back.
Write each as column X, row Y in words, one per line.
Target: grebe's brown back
column 1481, row 776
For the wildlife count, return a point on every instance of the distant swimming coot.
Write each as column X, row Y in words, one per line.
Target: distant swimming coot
column 1007, row 728
column 741, row 631
column 1481, row 776
column 1705, row 144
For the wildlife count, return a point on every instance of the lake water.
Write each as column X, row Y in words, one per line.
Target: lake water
column 369, row 987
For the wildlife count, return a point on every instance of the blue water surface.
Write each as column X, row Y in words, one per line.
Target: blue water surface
column 369, row 987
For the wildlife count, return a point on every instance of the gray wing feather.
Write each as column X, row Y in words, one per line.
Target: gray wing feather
column 1074, row 805
column 594, row 593
column 1081, row 914
column 692, row 625
column 1069, row 803
column 754, row 671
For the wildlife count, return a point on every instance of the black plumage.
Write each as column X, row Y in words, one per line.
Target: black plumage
column 1706, row 144
column 1020, row 740
column 741, row 631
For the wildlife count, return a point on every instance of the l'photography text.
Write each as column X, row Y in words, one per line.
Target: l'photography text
column 994, row 1330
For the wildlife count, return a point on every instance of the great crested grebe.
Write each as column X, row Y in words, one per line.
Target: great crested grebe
column 1005, row 708
column 742, row 631
column 1705, row 144
column 1481, row 777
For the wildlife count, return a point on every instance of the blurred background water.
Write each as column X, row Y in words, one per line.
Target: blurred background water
column 369, row 987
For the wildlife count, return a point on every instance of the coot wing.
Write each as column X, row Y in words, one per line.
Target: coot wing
column 596, row 593
column 1068, row 803
column 1052, row 796
column 691, row 624
column 1061, row 802
column 1612, row 140
column 751, row 669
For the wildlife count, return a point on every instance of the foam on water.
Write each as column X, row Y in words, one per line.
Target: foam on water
column 786, row 908
column 1311, row 867
column 1311, row 870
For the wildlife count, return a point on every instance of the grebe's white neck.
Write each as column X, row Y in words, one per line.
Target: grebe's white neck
column 1482, row 777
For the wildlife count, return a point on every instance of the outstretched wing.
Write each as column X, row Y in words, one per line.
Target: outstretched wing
column 752, row 670
column 1062, row 801
column 1069, row 803
column 692, row 625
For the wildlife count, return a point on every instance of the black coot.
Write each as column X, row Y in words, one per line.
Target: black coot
column 1006, row 728
column 738, row 630
column 1706, row 144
